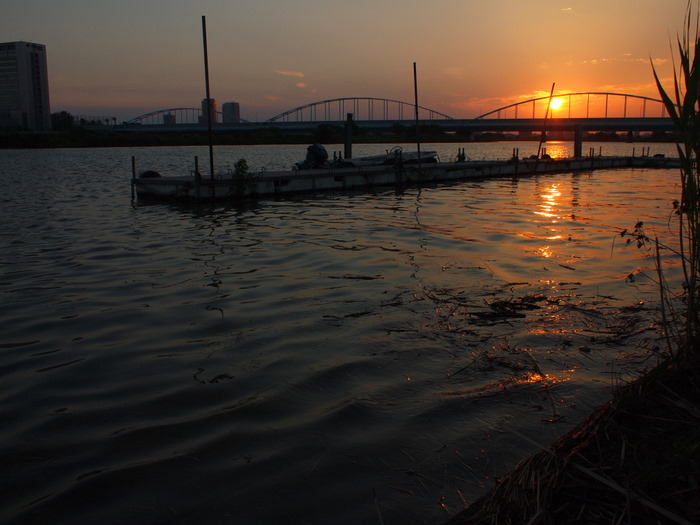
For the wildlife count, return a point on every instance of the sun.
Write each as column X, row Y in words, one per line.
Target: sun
column 556, row 103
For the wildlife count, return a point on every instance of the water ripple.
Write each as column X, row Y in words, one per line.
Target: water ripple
column 311, row 357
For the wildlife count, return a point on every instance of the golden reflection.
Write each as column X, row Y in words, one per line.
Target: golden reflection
column 545, row 251
column 549, row 379
column 550, row 199
column 528, row 378
column 559, row 150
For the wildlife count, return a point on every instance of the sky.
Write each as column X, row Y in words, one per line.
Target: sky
column 129, row 57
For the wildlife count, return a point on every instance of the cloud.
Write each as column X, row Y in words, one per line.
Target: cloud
column 455, row 72
column 289, row 73
column 626, row 58
column 301, row 84
column 570, row 11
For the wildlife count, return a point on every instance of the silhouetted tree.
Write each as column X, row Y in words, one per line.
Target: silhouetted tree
column 62, row 121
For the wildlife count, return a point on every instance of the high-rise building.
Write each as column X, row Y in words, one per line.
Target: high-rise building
column 211, row 105
column 231, row 112
column 24, row 86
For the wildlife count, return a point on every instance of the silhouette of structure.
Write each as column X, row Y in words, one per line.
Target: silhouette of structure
column 24, row 87
column 593, row 106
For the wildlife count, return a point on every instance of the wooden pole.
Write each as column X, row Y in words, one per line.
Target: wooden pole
column 544, row 126
column 415, row 94
column 208, row 102
column 133, row 176
column 348, row 136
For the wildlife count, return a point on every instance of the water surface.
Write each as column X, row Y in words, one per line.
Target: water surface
column 320, row 359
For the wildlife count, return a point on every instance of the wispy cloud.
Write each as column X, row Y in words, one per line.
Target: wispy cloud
column 301, row 84
column 570, row 11
column 455, row 72
column 626, row 58
column 289, row 73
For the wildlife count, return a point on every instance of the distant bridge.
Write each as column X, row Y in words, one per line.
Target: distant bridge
column 365, row 108
column 569, row 112
column 582, row 105
column 569, row 105
column 589, row 105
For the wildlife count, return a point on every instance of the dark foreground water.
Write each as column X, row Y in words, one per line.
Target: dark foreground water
column 333, row 359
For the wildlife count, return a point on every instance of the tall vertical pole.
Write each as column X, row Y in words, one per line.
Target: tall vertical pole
column 544, row 126
column 348, row 136
column 133, row 175
column 415, row 94
column 208, row 102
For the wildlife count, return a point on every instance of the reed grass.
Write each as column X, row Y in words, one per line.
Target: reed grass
column 682, row 103
column 636, row 459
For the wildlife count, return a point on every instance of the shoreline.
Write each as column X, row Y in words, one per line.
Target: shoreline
column 109, row 138
column 634, row 459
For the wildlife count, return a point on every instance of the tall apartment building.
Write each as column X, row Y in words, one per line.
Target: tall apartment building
column 232, row 112
column 24, row 86
column 211, row 105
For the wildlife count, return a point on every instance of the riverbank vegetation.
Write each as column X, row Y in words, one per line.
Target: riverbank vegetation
column 636, row 459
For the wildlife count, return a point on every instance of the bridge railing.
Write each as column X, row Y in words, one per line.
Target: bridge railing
column 362, row 108
column 582, row 105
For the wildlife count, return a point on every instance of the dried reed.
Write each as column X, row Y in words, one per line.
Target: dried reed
column 636, row 459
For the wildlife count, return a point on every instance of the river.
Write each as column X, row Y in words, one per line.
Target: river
column 336, row 358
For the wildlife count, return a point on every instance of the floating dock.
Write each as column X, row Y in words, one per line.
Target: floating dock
column 231, row 187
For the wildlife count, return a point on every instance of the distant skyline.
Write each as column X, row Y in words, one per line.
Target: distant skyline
column 123, row 59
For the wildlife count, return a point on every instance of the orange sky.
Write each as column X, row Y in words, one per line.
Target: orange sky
column 130, row 57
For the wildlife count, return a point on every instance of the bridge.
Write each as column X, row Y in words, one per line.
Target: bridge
column 170, row 117
column 567, row 112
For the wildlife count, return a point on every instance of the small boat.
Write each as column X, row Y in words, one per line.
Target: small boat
column 317, row 157
column 393, row 157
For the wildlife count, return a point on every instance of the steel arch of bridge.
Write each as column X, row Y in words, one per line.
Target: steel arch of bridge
column 576, row 105
column 605, row 105
column 362, row 108
column 180, row 115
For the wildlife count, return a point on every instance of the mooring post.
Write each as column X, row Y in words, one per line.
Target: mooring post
column 348, row 136
column 133, row 176
column 578, row 141
column 415, row 96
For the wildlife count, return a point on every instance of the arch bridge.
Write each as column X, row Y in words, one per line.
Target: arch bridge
column 565, row 112
column 171, row 116
column 362, row 108
column 587, row 105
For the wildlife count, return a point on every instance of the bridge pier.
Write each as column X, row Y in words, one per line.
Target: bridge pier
column 578, row 141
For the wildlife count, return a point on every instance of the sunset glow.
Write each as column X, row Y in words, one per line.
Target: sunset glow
column 556, row 103
column 130, row 59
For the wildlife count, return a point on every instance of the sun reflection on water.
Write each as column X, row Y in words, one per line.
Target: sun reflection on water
column 558, row 150
column 550, row 197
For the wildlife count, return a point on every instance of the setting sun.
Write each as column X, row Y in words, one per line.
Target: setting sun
column 556, row 103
